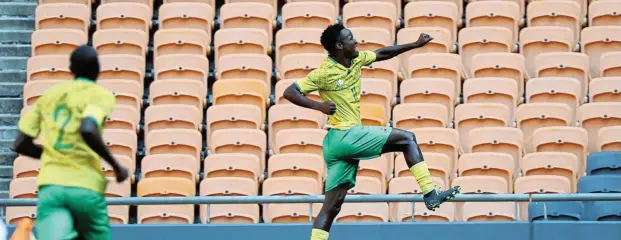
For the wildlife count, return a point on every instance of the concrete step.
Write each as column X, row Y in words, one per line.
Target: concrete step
column 4, row 194
column 17, row 63
column 4, row 184
column 11, row 89
column 13, row 76
column 17, row 8
column 15, row 50
column 8, row 132
column 17, row 23
column 6, row 171
column 15, row 36
column 9, row 119
column 11, row 105
column 6, row 156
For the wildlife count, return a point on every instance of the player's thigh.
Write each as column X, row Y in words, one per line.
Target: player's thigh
column 341, row 173
column 91, row 213
column 366, row 142
column 54, row 220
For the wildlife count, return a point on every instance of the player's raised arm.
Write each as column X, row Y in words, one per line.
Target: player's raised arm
column 295, row 96
column 92, row 137
column 392, row 51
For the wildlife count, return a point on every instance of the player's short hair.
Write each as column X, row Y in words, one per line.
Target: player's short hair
column 85, row 62
column 330, row 36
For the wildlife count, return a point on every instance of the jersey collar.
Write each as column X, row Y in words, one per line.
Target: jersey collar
column 84, row 79
column 337, row 64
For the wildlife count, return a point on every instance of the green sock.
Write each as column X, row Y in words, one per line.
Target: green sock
column 318, row 234
column 423, row 177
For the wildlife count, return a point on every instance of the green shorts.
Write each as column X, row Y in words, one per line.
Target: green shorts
column 71, row 212
column 343, row 150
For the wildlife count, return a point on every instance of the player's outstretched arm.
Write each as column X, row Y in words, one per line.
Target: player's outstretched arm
column 90, row 134
column 293, row 94
column 24, row 144
column 393, row 51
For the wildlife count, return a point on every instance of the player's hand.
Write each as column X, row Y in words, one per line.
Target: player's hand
column 327, row 107
column 121, row 174
column 423, row 39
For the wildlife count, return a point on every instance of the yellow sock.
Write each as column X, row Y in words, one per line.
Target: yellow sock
column 318, row 234
column 423, row 177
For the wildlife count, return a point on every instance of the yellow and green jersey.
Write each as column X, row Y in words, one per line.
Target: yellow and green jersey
column 57, row 115
column 340, row 85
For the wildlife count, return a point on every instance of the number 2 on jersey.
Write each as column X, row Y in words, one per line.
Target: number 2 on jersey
column 58, row 119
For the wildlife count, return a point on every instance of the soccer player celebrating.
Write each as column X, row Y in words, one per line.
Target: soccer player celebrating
column 338, row 82
column 69, row 117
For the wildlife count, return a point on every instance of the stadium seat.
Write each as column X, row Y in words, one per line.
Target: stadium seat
column 126, row 92
column 186, row 15
column 181, row 91
column 85, row 2
column 556, row 13
column 504, row 14
column 609, row 66
column 401, row 212
column 562, row 164
column 492, row 90
column 180, row 41
column 420, row 115
column 488, row 211
column 600, row 184
column 539, row 40
column 229, row 213
column 289, row 116
column 232, row 116
column 604, row 13
column 121, row 41
column 283, row 84
column 439, row 14
column 540, row 184
column 363, row 212
column 297, row 165
column 125, row 15
column 287, row 186
column 605, row 90
column 564, row 90
column 429, row 90
column 436, row 65
column 599, row 40
column 125, row 161
column 64, row 16
column 35, row 89
column 507, row 140
column 56, row 41
column 370, row 38
column 478, row 40
column 122, row 66
column 488, row 164
column 123, row 117
column 477, row 115
column 233, row 165
column 438, row 140
column 172, row 116
column 211, row 3
column 562, row 139
column 556, row 211
column 297, row 40
column 308, row 15
column 51, row 67
column 441, row 43
column 440, row 165
column 299, row 65
column 118, row 214
column 272, row 3
column 377, row 168
column 387, row 70
column 500, row 65
column 373, row 114
column 564, row 64
column 479, row 185
column 594, row 116
column 240, row 40
column 379, row 92
column 182, row 66
column 605, row 211
column 174, row 141
column 22, row 188
column 245, row 66
column 533, row 116
column 241, row 91
column 252, row 141
column 248, row 15
column 170, row 165
column 299, row 140
column 166, row 187
column 608, row 139
column 604, row 163
column 24, row 167
column 367, row 186
column 371, row 14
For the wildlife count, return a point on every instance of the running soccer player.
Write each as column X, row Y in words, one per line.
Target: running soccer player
column 69, row 117
column 338, row 82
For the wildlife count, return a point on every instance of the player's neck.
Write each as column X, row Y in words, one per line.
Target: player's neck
column 341, row 60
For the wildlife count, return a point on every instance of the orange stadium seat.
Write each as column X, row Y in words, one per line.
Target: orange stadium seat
column 377, row 168
column 605, row 89
column 126, row 15
column 125, row 161
column 599, row 40
column 297, row 165
column 308, row 15
column 609, row 65
column 299, row 65
column 240, row 40
column 49, row 67
column 506, row 140
column 35, row 89
column 146, row 2
column 121, row 41
column 118, row 214
column 563, row 139
column 22, row 188
column 241, row 165
column 478, row 40
column 290, row 213
column 441, row 43
column 477, row 115
column 229, row 213
column 439, row 14
column 554, row 89
column 363, row 212
column 24, row 167
column 373, row 114
column 387, row 70
column 289, row 116
column 299, row 140
column 564, row 64
column 182, row 66
column 282, row 85
column 122, row 66
column 538, row 40
column 245, row 66
column 297, row 40
column 166, row 187
column 501, row 65
column 241, row 91
column 272, row 3
column 370, row 38
column 126, row 92
column 172, row 116
column 371, row 14
column 608, row 139
column 57, row 41
column 488, row 164
column 121, row 142
column 436, row 65
column 556, row 13
column 186, row 15
column 174, row 141
column 488, row 211
column 552, row 163
column 533, row 116
column 492, row 90
column 366, row 186
column 604, row 13
column 439, row 140
column 335, row 3
column 123, row 117
column 170, row 165
column 181, row 41
column 479, row 185
column 233, row 116
column 377, row 91
column 248, row 15
column 85, row 2
column 420, row 115
column 177, row 91
column 494, row 14
column 440, row 165
column 594, row 116
column 430, row 90
column 542, row 184
column 251, row 141
column 211, row 3
column 63, row 15
column 397, row 4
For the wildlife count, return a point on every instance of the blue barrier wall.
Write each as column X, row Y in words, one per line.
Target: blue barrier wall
column 554, row 230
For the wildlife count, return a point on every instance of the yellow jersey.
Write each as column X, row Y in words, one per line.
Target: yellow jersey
column 57, row 115
column 340, row 85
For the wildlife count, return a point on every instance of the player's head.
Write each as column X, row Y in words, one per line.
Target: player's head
column 337, row 39
column 85, row 63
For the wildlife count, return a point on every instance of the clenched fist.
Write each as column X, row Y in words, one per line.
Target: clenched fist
column 423, row 39
column 327, row 107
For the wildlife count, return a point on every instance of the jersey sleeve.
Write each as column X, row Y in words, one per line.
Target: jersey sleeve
column 307, row 84
column 367, row 57
column 99, row 107
column 29, row 124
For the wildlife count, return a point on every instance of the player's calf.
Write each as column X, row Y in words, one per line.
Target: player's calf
column 331, row 208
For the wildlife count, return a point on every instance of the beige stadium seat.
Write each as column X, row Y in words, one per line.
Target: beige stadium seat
column 481, row 185
column 233, row 116
column 290, row 213
column 420, row 115
column 552, row 163
column 297, row 165
column 125, row 161
column 403, row 211
column 488, row 212
column 488, row 164
column 370, row 38
column 367, row 186
column 57, row 41
column 240, row 165
column 494, row 14
column 126, row 92
column 121, row 41
column 240, row 40
column 445, row 213
column 538, row 40
column 308, row 15
column 166, row 187
column 187, row 15
column 228, row 186
column 248, row 15
column 122, row 66
column 533, row 116
column 583, row 10
column 85, row 2
column 408, row 185
column 501, row 65
column 555, row 90
column 363, row 212
column 172, row 116
column 125, row 15
column 599, row 40
column 272, row 3
column 146, row 2
column 371, row 14
column 170, row 165
column 181, row 91
column 608, row 139
column 506, row 140
column 605, row 89
column 564, row 64
column 377, row 168
column 373, row 114
column 251, row 141
column 35, row 89
column 470, row 116
column 181, row 41
column 123, row 117
column 543, row 184
column 430, row 90
column 245, row 66
column 436, row 65
column 299, row 65
column 297, row 40
column 556, row 13
column 563, row 139
column 299, row 140
column 121, row 142
column 440, row 14
column 440, row 165
column 394, row 2
column 24, row 167
column 609, row 66
column 492, row 90
column 604, row 13
column 229, row 213
column 594, row 116
column 174, row 141
column 118, row 214
column 478, row 40
column 333, row 2
column 20, row 189
column 441, row 43
column 52, row 67
column 64, row 16
column 282, row 85
column 182, row 66
column 377, row 91
column 438, row 140
column 387, row 70
column 289, row 116
column 241, row 91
